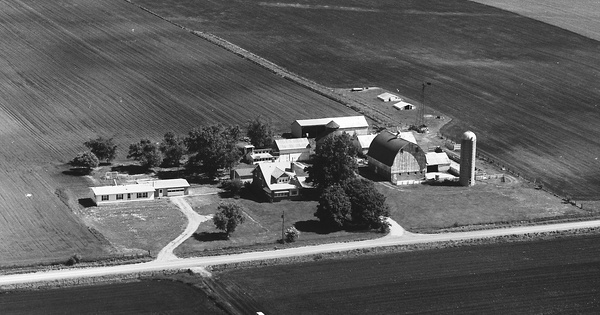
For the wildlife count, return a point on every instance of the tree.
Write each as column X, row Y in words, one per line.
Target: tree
column 291, row 234
column 172, row 149
column 104, row 149
column 86, row 161
column 368, row 204
column 334, row 161
column 228, row 217
column 334, row 207
column 214, row 147
column 146, row 152
column 260, row 134
column 233, row 186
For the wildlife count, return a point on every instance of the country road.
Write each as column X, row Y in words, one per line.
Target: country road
column 397, row 236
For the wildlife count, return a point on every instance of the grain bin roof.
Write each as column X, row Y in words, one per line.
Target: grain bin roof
column 385, row 147
column 342, row 122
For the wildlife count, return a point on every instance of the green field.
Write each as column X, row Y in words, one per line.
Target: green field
column 540, row 277
column 529, row 90
column 75, row 70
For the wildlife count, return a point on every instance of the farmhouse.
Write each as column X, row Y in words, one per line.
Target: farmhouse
column 290, row 150
column 389, row 97
column 143, row 190
column 280, row 180
column 320, row 127
column 395, row 158
column 404, row 106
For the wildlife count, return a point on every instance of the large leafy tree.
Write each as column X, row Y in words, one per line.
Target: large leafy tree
column 334, row 207
column 260, row 133
column 146, row 152
column 104, row 149
column 368, row 204
column 334, row 161
column 86, row 161
column 228, row 217
column 214, row 149
column 172, row 149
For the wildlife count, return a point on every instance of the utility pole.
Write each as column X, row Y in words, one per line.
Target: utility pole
column 282, row 226
column 421, row 110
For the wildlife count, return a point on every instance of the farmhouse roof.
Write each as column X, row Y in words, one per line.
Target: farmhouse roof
column 386, row 146
column 342, row 122
column 275, row 169
column 434, row 158
column 243, row 172
column 121, row 189
column 291, row 144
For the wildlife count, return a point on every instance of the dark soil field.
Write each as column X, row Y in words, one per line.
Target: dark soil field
column 542, row 277
column 75, row 70
column 529, row 90
column 145, row 297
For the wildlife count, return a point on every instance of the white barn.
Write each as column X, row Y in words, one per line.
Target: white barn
column 315, row 128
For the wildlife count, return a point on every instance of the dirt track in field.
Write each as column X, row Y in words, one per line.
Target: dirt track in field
column 75, row 70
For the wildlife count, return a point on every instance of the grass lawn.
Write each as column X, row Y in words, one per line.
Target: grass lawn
column 425, row 208
column 137, row 227
column 262, row 228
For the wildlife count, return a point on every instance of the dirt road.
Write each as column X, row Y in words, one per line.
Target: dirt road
column 397, row 236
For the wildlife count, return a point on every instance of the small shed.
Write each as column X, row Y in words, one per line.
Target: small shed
column 437, row 162
column 244, row 174
column 389, row 97
column 404, row 106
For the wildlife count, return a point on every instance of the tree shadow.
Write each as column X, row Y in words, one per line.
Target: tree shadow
column 210, row 236
column 370, row 175
column 77, row 172
column 86, row 202
column 130, row 169
column 314, row 226
column 171, row 174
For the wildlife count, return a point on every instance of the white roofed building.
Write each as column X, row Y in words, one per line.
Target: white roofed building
column 389, row 97
column 290, row 150
column 280, row 180
column 143, row 190
column 317, row 128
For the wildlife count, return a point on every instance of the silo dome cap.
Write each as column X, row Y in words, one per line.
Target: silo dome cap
column 469, row 135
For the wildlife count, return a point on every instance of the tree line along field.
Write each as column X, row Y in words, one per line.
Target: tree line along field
column 76, row 70
column 539, row 277
column 529, row 90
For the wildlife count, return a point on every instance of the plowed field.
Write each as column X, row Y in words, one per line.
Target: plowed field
column 543, row 277
column 529, row 90
column 75, row 70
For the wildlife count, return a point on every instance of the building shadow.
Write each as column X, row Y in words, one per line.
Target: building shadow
column 86, row 202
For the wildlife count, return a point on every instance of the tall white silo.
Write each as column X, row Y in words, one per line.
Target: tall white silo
column 468, row 147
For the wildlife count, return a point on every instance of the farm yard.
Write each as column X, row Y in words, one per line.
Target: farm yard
column 529, row 90
column 76, row 70
column 510, row 278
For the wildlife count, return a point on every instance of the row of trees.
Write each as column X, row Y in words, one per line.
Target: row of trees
column 209, row 149
column 345, row 199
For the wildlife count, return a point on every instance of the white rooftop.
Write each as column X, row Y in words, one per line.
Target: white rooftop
column 365, row 140
column 121, row 189
column 388, row 96
column 166, row 183
column 290, row 144
column 434, row 158
column 343, row 122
